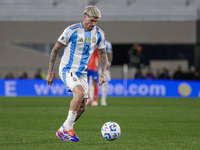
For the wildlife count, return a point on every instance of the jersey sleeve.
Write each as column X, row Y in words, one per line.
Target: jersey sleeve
column 101, row 40
column 108, row 47
column 64, row 37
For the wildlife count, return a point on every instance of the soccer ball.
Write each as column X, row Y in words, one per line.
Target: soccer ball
column 110, row 131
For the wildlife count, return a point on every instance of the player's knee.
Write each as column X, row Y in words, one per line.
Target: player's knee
column 80, row 94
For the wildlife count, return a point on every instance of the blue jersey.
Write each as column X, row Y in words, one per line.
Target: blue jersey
column 79, row 46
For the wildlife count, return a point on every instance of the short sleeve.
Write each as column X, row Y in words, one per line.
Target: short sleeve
column 101, row 40
column 109, row 47
column 64, row 37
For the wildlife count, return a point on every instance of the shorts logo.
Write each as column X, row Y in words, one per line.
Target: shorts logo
column 87, row 39
column 94, row 40
column 74, row 79
column 62, row 38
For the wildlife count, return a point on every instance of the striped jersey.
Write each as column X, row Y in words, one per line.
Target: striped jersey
column 79, row 46
column 108, row 47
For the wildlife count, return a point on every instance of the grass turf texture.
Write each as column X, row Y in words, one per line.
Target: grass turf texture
column 146, row 124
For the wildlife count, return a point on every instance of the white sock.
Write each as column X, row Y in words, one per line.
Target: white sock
column 104, row 92
column 69, row 122
column 62, row 128
column 91, row 91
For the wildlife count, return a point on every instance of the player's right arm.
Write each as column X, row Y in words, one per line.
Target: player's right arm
column 54, row 52
column 103, row 62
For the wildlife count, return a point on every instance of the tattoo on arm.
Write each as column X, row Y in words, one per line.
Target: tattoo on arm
column 53, row 56
column 103, row 59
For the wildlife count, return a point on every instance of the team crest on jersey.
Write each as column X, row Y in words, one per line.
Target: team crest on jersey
column 87, row 39
column 94, row 40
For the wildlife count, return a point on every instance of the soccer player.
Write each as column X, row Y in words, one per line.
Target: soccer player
column 79, row 41
column 93, row 67
column 109, row 52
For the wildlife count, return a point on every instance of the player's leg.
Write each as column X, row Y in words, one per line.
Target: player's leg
column 96, row 90
column 90, row 88
column 74, row 113
column 73, row 82
column 90, row 92
column 75, row 105
column 105, row 88
column 104, row 94
column 81, row 109
column 66, row 131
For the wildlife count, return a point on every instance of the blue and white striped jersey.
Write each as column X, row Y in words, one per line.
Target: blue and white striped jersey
column 108, row 47
column 79, row 46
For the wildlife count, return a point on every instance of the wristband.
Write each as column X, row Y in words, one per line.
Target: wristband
column 50, row 72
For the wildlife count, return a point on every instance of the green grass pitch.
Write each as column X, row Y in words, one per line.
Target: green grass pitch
column 146, row 123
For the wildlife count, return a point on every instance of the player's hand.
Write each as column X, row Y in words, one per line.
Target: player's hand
column 101, row 79
column 49, row 78
column 108, row 65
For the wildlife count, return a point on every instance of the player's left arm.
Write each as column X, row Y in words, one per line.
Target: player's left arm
column 97, row 60
column 103, row 62
column 110, row 59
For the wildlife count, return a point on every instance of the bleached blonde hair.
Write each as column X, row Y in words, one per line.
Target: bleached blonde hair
column 92, row 11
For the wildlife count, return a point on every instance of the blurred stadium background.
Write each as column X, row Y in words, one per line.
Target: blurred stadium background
column 167, row 30
column 152, row 114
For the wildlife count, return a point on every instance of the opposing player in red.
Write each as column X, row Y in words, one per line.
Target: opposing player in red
column 93, row 67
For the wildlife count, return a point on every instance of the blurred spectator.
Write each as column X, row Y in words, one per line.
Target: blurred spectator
column 135, row 55
column 196, row 75
column 189, row 75
column 39, row 74
column 139, row 74
column 10, row 75
column 149, row 74
column 24, row 75
column 164, row 74
column 178, row 74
